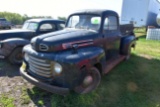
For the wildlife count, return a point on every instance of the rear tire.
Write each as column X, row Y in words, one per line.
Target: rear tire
column 9, row 27
column 90, row 82
column 128, row 53
column 16, row 56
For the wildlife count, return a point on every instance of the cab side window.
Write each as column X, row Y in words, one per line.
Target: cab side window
column 61, row 26
column 47, row 27
column 110, row 23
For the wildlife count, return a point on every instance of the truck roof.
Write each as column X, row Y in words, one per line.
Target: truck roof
column 95, row 11
column 43, row 20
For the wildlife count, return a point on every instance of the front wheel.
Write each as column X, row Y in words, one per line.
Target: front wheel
column 16, row 56
column 90, row 81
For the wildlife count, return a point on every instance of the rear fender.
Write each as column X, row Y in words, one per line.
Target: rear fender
column 126, row 43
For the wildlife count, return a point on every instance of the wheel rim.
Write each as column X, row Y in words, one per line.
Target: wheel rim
column 19, row 57
column 89, row 83
column 88, row 80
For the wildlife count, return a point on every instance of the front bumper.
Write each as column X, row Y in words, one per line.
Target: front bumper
column 42, row 85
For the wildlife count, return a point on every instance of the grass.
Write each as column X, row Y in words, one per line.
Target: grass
column 5, row 101
column 133, row 83
column 140, row 30
column 148, row 47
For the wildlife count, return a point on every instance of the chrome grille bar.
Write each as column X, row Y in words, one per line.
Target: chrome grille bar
column 40, row 66
column 39, row 63
column 39, row 73
column 36, row 59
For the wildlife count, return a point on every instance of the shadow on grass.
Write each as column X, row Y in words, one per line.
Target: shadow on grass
column 133, row 83
column 40, row 97
column 53, row 100
column 7, row 69
column 142, row 37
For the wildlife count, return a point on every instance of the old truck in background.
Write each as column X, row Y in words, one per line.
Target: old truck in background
column 4, row 24
column 76, row 57
column 12, row 41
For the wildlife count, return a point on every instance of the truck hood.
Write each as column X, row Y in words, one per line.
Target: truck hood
column 15, row 33
column 62, row 39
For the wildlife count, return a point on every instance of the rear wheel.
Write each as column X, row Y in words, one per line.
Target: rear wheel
column 9, row 27
column 16, row 56
column 128, row 53
column 90, row 81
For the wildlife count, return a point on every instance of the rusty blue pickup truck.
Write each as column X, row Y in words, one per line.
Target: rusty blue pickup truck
column 75, row 58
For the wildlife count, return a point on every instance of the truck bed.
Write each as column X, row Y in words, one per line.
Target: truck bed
column 126, row 29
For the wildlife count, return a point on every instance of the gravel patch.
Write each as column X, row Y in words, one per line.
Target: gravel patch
column 14, row 86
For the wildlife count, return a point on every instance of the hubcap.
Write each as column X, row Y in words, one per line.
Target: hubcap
column 87, row 81
column 19, row 56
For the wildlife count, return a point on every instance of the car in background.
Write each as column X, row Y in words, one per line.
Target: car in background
column 12, row 41
column 4, row 24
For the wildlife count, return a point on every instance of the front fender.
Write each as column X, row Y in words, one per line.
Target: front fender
column 86, row 56
column 72, row 62
column 8, row 45
column 69, row 56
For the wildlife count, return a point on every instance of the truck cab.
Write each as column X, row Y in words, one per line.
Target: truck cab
column 76, row 57
column 41, row 26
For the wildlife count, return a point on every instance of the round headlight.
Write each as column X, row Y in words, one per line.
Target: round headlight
column 26, row 57
column 57, row 68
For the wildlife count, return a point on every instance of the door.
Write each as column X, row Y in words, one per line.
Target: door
column 111, row 36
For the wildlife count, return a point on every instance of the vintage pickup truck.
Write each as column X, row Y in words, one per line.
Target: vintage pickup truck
column 75, row 57
column 12, row 41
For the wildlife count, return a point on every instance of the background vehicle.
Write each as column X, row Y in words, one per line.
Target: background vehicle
column 4, row 24
column 12, row 41
column 74, row 58
column 142, row 13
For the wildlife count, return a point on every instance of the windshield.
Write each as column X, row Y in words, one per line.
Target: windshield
column 85, row 22
column 30, row 25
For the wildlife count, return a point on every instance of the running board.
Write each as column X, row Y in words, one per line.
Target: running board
column 112, row 63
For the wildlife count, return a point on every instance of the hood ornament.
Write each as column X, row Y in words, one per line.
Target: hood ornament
column 43, row 47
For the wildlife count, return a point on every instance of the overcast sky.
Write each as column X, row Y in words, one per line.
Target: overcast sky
column 56, row 8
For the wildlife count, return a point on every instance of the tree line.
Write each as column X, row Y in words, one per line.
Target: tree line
column 16, row 18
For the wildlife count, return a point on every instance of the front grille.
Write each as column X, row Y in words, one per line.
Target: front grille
column 43, row 47
column 40, row 67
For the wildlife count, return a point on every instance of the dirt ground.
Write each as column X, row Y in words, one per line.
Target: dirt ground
column 12, row 85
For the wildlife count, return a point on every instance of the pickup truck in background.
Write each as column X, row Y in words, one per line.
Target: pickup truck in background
column 75, row 58
column 12, row 41
column 4, row 24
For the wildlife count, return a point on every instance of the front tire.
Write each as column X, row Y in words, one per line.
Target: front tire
column 90, row 82
column 16, row 56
